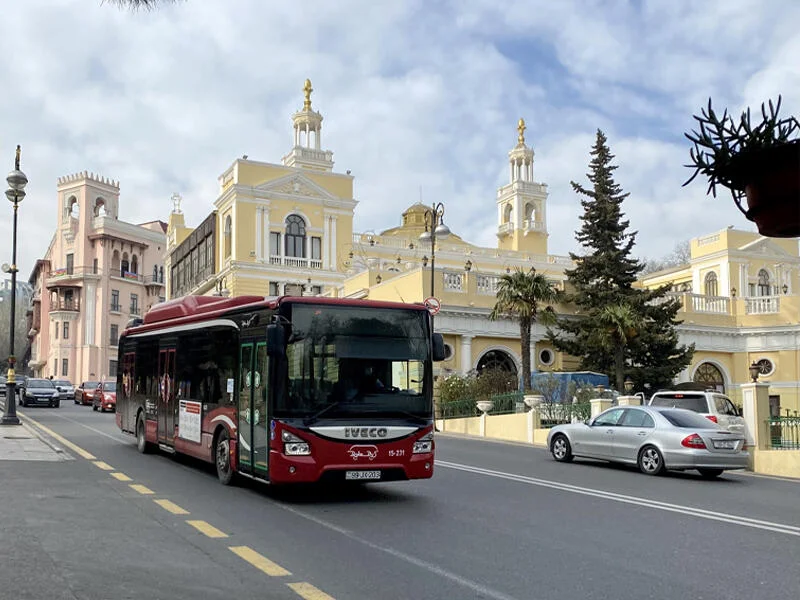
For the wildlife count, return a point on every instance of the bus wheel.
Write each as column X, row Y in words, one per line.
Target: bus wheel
column 222, row 458
column 141, row 438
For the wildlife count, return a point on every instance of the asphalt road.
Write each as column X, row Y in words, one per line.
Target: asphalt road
column 497, row 521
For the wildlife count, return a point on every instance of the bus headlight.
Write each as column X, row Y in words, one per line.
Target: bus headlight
column 424, row 445
column 293, row 445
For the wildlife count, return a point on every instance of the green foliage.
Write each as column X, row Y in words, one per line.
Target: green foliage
column 603, row 281
column 721, row 143
column 518, row 296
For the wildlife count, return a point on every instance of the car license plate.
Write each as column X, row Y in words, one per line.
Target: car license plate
column 356, row 475
column 725, row 444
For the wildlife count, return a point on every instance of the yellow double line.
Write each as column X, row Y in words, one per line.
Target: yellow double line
column 259, row 561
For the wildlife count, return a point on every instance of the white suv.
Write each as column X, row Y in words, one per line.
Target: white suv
column 712, row 405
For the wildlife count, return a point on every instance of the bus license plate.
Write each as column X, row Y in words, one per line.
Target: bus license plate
column 354, row 475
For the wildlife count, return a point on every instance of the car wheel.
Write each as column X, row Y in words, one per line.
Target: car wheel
column 222, row 458
column 141, row 439
column 710, row 473
column 57, row 404
column 651, row 462
column 94, row 407
column 561, row 449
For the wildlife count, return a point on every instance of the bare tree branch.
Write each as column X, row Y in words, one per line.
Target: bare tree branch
column 139, row 4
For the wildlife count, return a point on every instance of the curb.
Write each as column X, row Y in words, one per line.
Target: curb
column 43, row 438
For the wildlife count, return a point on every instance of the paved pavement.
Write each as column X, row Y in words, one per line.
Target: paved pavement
column 497, row 521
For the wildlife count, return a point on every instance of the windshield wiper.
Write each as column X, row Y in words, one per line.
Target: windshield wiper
column 315, row 417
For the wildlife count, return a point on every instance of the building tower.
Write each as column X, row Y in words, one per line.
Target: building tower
column 307, row 151
column 521, row 213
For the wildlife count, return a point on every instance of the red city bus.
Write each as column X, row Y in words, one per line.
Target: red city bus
column 285, row 390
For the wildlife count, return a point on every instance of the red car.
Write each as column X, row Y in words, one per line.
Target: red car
column 85, row 392
column 105, row 396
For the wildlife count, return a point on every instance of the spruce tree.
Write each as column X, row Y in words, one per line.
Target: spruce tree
column 604, row 276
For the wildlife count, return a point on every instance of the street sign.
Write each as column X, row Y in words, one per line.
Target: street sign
column 433, row 305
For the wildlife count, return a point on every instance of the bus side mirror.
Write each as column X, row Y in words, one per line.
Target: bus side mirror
column 441, row 351
column 276, row 340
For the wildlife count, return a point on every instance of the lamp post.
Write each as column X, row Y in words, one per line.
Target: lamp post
column 754, row 371
column 434, row 227
column 15, row 193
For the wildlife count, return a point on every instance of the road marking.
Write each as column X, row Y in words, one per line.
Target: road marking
column 207, row 529
column 478, row 588
column 646, row 502
column 309, row 592
column 128, row 440
column 103, row 465
column 121, row 477
column 76, row 449
column 144, row 490
column 260, row 562
column 171, row 507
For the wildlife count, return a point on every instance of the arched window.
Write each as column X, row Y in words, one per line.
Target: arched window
column 155, row 272
column 124, row 266
column 228, row 233
column 763, row 283
column 710, row 375
column 529, row 213
column 295, row 236
column 115, row 261
column 712, row 289
column 497, row 360
column 100, row 207
column 161, row 274
column 74, row 208
column 508, row 212
column 134, row 264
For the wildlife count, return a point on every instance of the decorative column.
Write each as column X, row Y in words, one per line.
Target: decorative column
column 599, row 405
column 466, row 354
column 333, row 258
column 326, row 240
column 259, row 233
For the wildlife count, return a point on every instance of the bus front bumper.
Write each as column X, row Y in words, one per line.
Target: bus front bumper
column 307, row 469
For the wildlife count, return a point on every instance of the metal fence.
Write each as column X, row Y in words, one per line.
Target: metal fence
column 550, row 414
column 784, row 433
column 556, row 413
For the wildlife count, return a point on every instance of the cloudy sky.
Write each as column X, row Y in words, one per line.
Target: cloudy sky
column 415, row 94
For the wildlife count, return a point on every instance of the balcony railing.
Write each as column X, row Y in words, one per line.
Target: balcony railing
column 505, row 228
column 531, row 225
column 784, row 433
column 135, row 310
column 294, row 261
column 453, row 282
column 127, row 275
column 72, row 305
column 69, row 272
column 115, row 307
column 151, row 280
column 487, row 284
column 762, row 305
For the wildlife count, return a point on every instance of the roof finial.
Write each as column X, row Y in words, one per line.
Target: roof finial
column 16, row 158
column 176, row 203
column 307, row 89
column 521, row 128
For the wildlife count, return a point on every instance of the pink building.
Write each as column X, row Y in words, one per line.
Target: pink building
column 97, row 274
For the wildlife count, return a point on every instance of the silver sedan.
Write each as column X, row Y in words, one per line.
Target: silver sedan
column 653, row 438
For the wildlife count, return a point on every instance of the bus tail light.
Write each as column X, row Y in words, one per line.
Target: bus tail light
column 424, row 445
column 293, row 445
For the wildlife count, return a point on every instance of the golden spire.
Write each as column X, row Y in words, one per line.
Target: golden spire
column 521, row 128
column 307, row 89
column 16, row 158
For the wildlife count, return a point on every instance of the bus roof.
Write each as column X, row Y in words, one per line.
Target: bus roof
column 188, row 309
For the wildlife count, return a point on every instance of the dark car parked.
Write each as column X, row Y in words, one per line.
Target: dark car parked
column 39, row 392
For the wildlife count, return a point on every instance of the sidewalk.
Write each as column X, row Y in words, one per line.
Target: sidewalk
column 23, row 442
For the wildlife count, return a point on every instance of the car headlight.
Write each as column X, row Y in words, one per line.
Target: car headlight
column 294, row 445
column 424, row 445
column 28, row 395
column 55, row 394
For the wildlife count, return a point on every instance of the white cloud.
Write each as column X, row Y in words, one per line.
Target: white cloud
column 412, row 97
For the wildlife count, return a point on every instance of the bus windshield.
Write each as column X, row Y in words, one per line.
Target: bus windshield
column 349, row 361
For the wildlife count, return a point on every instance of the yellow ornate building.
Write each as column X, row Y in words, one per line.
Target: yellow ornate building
column 288, row 229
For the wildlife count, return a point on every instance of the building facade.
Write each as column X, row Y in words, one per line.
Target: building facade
column 97, row 274
column 288, row 229
column 276, row 228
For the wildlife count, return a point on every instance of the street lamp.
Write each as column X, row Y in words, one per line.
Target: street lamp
column 15, row 194
column 434, row 227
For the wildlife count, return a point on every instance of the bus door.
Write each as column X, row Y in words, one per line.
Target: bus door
column 166, row 395
column 253, row 422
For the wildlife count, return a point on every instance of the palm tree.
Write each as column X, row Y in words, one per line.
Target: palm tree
column 137, row 4
column 620, row 324
column 518, row 296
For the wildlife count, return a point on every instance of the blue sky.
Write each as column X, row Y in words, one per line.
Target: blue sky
column 415, row 95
